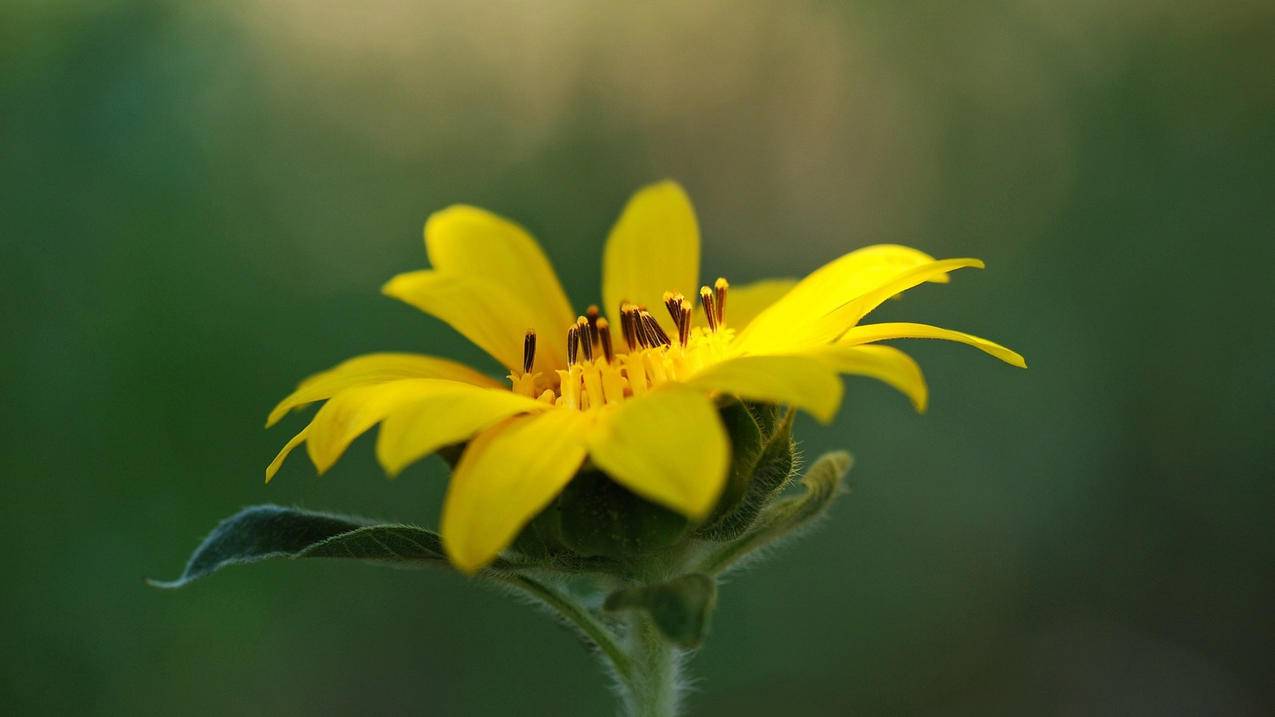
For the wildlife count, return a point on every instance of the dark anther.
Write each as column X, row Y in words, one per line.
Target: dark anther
column 719, row 290
column 684, row 310
column 604, row 337
column 528, row 351
column 573, row 345
column 653, row 329
column 586, row 343
column 627, row 327
column 710, row 311
column 592, row 315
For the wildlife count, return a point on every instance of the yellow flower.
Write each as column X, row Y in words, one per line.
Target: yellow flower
column 632, row 390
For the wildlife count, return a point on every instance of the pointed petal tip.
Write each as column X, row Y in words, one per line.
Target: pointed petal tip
column 468, row 568
column 393, row 287
column 466, row 562
column 825, row 416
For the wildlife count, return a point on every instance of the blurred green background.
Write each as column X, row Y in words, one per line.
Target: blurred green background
column 201, row 200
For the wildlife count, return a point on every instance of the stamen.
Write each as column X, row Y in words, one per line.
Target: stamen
column 591, row 314
column 586, row 341
column 528, row 351
column 673, row 302
column 654, row 331
column 604, row 337
column 641, row 333
column 573, row 345
column 710, row 310
column 627, row 327
column 684, row 325
column 719, row 289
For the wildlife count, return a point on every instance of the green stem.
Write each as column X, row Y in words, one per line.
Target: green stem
column 654, row 689
column 577, row 615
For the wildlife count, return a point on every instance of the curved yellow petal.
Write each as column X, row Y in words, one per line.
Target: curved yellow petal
column 653, row 248
column 832, row 285
column 473, row 242
column 350, row 413
column 799, row 381
column 813, row 328
column 287, row 449
column 868, row 333
column 668, row 446
column 506, row 476
column 745, row 302
column 486, row 313
column 884, row 363
column 450, row 415
column 375, row 368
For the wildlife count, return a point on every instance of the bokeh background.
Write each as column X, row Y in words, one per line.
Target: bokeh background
column 199, row 202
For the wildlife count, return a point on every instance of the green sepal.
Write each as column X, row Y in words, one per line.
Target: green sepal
column 747, row 444
column 787, row 516
column 597, row 517
column 271, row 531
column 762, row 458
column 681, row 608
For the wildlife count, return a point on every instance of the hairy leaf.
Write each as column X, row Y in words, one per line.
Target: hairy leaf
column 270, row 531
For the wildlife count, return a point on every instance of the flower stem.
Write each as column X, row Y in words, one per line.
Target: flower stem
column 654, row 688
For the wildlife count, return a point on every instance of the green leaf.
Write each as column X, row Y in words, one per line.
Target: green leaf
column 680, row 608
column 787, row 516
column 270, row 531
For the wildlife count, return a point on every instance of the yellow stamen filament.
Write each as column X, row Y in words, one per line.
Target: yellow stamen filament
column 634, row 369
column 593, row 387
column 613, row 383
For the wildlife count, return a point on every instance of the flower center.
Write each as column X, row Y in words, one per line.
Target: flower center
column 598, row 374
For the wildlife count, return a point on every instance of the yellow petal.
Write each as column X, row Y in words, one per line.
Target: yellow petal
column 371, row 369
column 353, row 411
column 450, row 415
column 883, row 363
column 485, row 313
column 468, row 241
column 798, row 381
column 506, row 476
column 832, row 285
column 746, row 301
column 667, row 446
column 868, row 333
column 277, row 463
column 653, row 248
column 821, row 323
